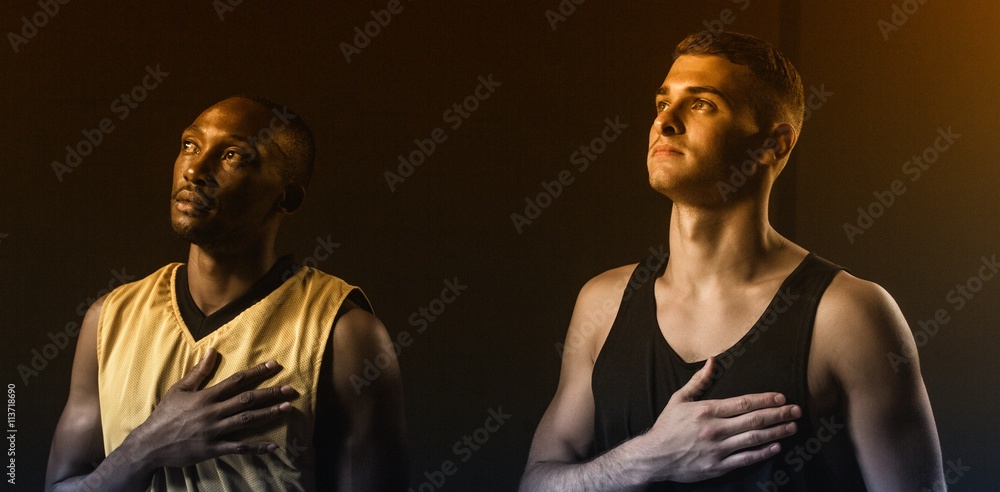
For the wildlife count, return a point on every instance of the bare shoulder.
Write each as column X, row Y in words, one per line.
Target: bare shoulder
column 607, row 285
column 87, row 344
column 852, row 305
column 358, row 331
column 596, row 308
column 859, row 327
column 868, row 348
column 93, row 313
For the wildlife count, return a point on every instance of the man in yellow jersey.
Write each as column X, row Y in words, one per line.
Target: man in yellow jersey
column 232, row 372
column 737, row 360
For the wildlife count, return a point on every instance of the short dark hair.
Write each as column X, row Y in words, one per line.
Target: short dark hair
column 298, row 143
column 777, row 93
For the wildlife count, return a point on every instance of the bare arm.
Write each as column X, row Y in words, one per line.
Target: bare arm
column 889, row 413
column 690, row 441
column 373, row 457
column 78, row 443
column 163, row 439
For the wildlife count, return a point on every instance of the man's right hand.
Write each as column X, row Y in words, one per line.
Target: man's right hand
column 695, row 440
column 190, row 425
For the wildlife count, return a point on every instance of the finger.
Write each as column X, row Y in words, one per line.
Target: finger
column 748, row 457
column 698, row 383
column 759, row 419
column 738, row 405
column 757, row 438
column 200, row 373
column 224, row 448
column 252, row 418
column 245, row 379
column 254, row 399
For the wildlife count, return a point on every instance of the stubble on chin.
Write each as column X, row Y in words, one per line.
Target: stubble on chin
column 199, row 234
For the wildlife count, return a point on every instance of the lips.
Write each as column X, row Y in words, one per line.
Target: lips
column 192, row 201
column 664, row 150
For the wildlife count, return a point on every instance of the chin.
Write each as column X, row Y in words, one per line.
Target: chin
column 663, row 183
column 194, row 233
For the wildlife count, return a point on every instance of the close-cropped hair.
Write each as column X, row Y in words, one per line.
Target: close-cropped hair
column 297, row 142
column 777, row 94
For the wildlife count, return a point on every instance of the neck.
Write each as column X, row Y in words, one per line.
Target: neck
column 719, row 248
column 216, row 278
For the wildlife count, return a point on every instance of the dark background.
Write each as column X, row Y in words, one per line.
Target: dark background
column 61, row 242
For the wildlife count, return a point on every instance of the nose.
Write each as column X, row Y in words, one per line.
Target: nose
column 198, row 170
column 667, row 122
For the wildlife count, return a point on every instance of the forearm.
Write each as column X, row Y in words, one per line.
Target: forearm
column 618, row 469
column 126, row 469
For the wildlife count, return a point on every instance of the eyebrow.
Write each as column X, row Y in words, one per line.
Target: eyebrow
column 696, row 89
column 241, row 138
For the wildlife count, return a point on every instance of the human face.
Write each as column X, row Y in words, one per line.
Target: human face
column 703, row 124
column 227, row 180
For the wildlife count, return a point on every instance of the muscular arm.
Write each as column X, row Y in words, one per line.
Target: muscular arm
column 563, row 439
column 78, row 443
column 373, row 455
column 691, row 440
column 163, row 439
column 889, row 414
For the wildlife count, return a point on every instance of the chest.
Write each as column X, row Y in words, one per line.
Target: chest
column 748, row 321
column 698, row 326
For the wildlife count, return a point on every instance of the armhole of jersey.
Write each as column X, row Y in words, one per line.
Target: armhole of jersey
column 611, row 330
column 358, row 297
column 97, row 342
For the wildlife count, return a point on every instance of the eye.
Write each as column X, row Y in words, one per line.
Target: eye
column 188, row 147
column 661, row 106
column 237, row 157
column 702, row 104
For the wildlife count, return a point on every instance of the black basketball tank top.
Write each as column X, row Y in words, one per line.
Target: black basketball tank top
column 637, row 371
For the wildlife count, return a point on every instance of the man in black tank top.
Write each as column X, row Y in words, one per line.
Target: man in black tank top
column 738, row 361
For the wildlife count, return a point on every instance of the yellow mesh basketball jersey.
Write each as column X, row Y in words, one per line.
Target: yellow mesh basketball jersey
column 144, row 347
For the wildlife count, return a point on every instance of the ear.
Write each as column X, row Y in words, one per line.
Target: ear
column 781, row 142
column 291, row 199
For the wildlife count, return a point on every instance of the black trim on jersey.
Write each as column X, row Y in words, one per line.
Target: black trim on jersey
column 200, row 325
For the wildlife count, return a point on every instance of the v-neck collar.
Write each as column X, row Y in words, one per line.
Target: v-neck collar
column 200, row 325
